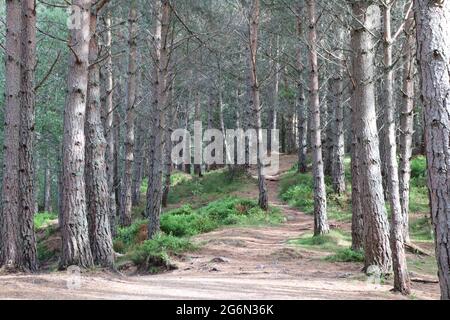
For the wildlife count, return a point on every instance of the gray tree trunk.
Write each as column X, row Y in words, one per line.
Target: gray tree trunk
column 97, row 190
column 76, row 248
column 302, row 121
column 9, row 219
column 154, row 194
column 126, row 203
column 320, row 198
column 401, row 276
column 433, row 53
column 47, row 188
column 376, row 226
column 337, row 132
column 407, row 123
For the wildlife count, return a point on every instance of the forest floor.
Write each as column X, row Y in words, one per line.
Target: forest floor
column 232, row 263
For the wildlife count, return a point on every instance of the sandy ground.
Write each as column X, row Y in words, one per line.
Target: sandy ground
column 234, row 263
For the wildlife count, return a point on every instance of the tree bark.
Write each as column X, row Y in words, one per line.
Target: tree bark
column 154, row 194
column 9, row 223
column 27, row 208
column 47, row 188
column 407, row 123
column 376, row 226
column 320, row 198
column 401, row 276
column 109, row 123
column 97, row 190
column 253, row 46
column 76, row 248
column 126, row 203
column 433, row 53
column 302, row 121
column 337, row 132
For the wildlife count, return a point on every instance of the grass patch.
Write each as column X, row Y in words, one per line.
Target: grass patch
column 346, row 255
column 333, row 241
column 421, row 229
column 41, row 220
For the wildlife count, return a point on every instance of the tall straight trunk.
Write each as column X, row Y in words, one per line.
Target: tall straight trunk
column 154, row 194
column 27, row 206
column 168, row 147
column 9, row 223
column 357, row 211
column 198, row 118
column 76, row 248
column 433, row 53
column 109, row 122
column 301, row 105
column 254, row 29
column 273, row 112
column 337, row 132
column 126, row 203
column 401, row 276
column 47, row 188
column 320, row 198
column 407, row 123
column 376, row 226
column 97, row 191
column 138, row 164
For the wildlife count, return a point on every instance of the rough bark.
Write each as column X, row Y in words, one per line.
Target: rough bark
column 9, row 223
column 433, row 53
column 376, row 226
column 27, row 208
column 337, row 132
column 97, row 190
column 407, row 123
column 301, row 105
column 76, row 248
column 320, row 198
column 154, row 194
column 109, row 122
column 126, row 203
column 401, row 277
column 256, row 107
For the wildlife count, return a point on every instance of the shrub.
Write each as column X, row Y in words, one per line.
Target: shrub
column 346, row 255
column 41, row 220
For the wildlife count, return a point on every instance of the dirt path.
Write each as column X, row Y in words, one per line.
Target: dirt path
column 234, row 263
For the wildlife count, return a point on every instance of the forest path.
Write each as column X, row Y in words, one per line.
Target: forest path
column 233, row 263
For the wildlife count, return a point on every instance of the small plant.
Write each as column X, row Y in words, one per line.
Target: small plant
column 346, row 255
column 41, row 220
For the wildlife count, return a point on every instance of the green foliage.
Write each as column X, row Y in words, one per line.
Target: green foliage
column 155, row 254
column 333, row 241
column 346, row 255
column 42, row 220
column 421, row 229
column 43, row 252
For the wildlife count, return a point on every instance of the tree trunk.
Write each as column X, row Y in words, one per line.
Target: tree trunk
column 75, row 236
column 97, row 190
column 9, row 223
column 301, row 105
column 401, row 277
column 320, row 197
column 337, row 132
column 254, row 29
column 109, row 123
column 154, row 194
column 47, row 188
column 198, row 118
column 126, row 203
column 433, row 53
column 376, row 226
column 407, row 123
column 138, row 165
column 26, row 147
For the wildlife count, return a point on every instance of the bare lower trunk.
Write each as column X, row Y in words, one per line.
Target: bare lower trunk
column 376, row 226
column 126, row 203
column 433, row 53
column 9, row 219
column 154, row 194
column 320, row 197
column 301, row 105
column 138, row 165
column 97, row 191
column 76, row 248
column 47, row 188
column 401, row 277
column 407, row 123
column 109, row 124
column 26, row 147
